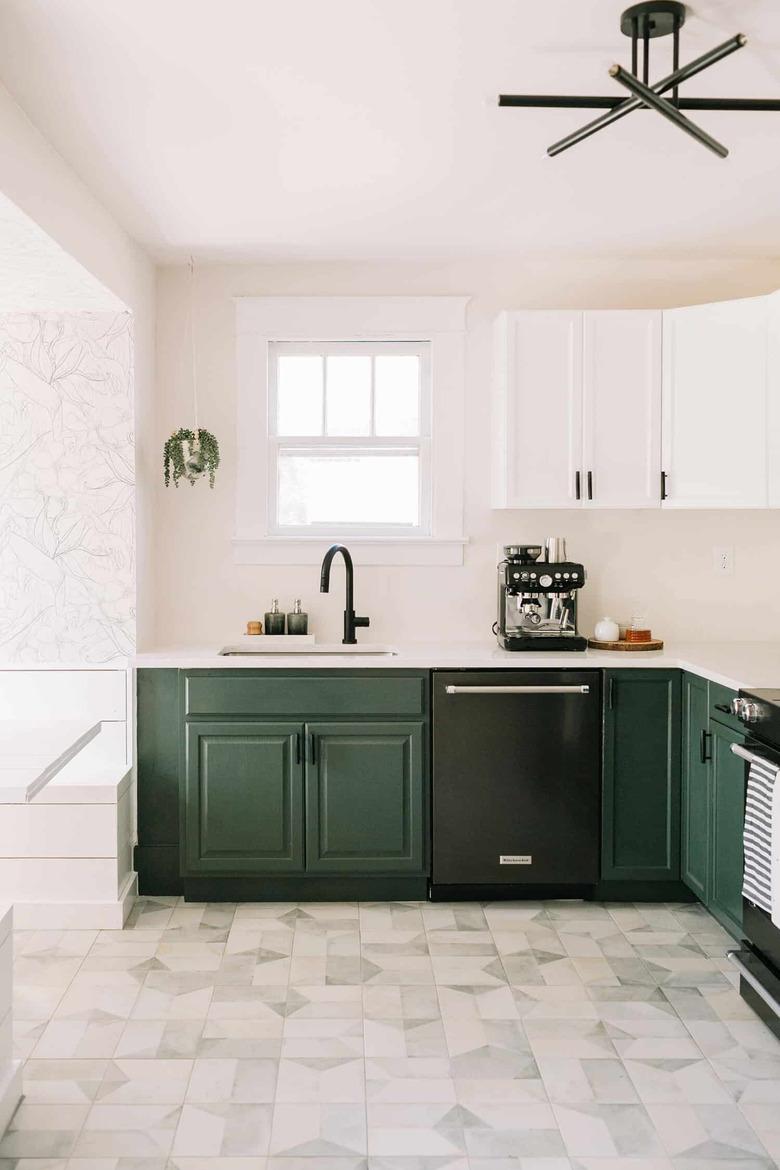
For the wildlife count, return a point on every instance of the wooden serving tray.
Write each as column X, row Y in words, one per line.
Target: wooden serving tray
column 655, row 644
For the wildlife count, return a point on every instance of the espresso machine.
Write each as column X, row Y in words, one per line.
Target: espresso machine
column 537, row 598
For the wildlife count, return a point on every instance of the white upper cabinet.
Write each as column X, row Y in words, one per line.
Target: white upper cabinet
column 577, row 409
column 538, row 409
column 715, row 405
column 621, row 416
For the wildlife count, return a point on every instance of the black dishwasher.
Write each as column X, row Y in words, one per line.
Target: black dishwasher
column 516, row 782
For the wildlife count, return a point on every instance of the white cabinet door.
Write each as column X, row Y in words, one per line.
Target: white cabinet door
column 622, row 409
column 715, row 405
column 538, row 405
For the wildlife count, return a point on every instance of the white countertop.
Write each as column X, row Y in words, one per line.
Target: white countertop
column 31, row 754
column 734, row 664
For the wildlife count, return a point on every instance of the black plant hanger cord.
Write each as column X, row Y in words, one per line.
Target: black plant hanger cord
column 643, row 23
column 202, row 451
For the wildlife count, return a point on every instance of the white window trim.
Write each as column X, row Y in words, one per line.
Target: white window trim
column 437, row 320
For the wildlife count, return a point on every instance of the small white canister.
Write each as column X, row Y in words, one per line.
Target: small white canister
column 606, row 630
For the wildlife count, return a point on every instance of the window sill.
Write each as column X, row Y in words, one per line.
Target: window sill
column 307, row 550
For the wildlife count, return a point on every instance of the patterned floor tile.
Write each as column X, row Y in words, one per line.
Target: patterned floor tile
column 138, row 1131
column 391, row 1036
column 243, row 1082
column 223, row 1130
column 311, row 1130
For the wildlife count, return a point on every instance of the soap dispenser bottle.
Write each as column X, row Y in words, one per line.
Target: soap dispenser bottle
column 297, row 621
column 274, row 621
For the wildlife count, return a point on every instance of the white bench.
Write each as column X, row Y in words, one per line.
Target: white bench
column 66, row 856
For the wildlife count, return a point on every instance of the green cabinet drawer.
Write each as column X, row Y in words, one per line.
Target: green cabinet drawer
column 641, row 794
column 728, row 819
column 242, row 804
column 696, row 788
column 720, row 706
column 365, row 809
column 279, row 695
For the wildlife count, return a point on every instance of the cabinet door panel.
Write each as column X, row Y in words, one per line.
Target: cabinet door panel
column 538, row 409
column 728, row 818
column 715, row 405
column 696, row 789
column 622, row 409
column 243, row 807
column 364, row 798
column 641, row 798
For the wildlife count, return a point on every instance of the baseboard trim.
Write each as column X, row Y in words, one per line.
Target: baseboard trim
column 306, row 889
column 78, row 915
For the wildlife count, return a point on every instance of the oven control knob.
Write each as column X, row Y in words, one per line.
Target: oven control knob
column 738, row 706
column 749, row 712
column 545, row 580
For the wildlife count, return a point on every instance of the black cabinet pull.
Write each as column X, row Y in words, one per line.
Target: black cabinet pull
column 577, row 491
column 722, row 707
column 312, row 748
column 663, row 485
column 706, row 756
column 611, row 693
column 590, row 485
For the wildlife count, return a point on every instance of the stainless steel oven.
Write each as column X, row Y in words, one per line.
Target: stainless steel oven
column 758, row 956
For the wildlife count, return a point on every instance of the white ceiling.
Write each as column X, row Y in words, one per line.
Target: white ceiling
column 36, row 274
column 365, row 128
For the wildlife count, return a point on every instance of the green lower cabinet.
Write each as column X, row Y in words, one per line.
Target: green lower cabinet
column 364, row 798
column 728, row 818
column 641, row 795
column 243, row 800
column 696, row 786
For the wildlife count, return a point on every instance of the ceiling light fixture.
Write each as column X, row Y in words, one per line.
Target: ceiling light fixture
column 642, row 23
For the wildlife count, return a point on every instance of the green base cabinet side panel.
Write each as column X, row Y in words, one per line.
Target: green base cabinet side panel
column 728, row 818
column 696, row 786
column 242, row 806
column 157, row 754
column 641, row 794
column 365, row 798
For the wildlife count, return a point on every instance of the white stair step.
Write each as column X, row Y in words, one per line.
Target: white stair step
column 32, row 753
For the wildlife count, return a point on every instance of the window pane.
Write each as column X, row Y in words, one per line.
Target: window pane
column 348, row 395
column 299, row 395
column 349, row 488
column 397, row 395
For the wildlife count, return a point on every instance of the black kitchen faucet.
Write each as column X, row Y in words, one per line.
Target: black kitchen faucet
column 350, row 621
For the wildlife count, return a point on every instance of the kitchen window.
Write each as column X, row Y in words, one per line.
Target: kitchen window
column 350, row 428
column 349, row 438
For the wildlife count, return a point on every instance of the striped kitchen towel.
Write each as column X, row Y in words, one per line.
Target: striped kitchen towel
column 757, row 879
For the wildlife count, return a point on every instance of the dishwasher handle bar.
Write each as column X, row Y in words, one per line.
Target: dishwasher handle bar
column 528, row 690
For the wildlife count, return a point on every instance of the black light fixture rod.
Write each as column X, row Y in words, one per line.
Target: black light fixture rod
column 550, row 101
column 666, row 109
column 628, row 104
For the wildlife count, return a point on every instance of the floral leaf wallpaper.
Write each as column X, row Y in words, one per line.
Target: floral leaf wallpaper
column 67, row 514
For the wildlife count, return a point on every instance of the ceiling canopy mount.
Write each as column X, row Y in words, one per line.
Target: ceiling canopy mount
column 644, row 23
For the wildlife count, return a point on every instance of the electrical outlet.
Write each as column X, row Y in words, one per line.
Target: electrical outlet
column 723, row 560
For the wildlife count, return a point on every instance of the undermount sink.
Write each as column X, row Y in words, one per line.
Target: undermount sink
column 318, row 648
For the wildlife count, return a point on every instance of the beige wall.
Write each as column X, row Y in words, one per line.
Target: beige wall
column 658, row 563
column 40, row 182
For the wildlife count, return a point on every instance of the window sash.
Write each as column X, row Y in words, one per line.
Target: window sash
column 372, row 349
column 337, row 445
column 421, row 447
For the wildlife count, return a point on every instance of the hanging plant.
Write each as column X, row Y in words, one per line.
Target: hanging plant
column 187, row 456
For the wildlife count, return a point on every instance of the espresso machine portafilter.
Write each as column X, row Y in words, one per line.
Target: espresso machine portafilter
column 537, row 599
